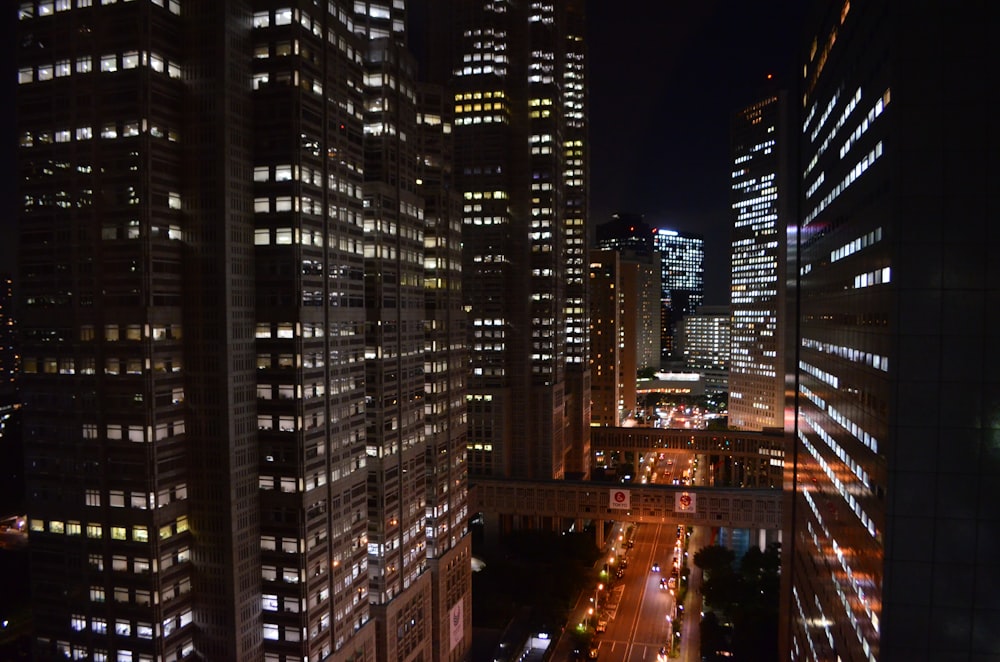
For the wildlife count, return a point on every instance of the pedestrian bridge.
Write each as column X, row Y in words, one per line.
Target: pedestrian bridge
column 532, row 502
column 742, row 470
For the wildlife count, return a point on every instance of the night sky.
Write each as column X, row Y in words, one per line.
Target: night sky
column 665, row 79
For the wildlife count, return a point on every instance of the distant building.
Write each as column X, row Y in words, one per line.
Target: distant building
column 613, row 295
column 626, row 232
column 703, row 342
column 682, row 262
column 762, row 196
column 633, row 239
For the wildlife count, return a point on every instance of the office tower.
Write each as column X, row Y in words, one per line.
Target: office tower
column 633, row 239
column 682, row 264
column 762, row 200
column 614, row 295
column 626, row 232
column 895, row 479
column 517, row 73
column 225, row 366
column 394, row 356
column 703, row 340
column 449, row 548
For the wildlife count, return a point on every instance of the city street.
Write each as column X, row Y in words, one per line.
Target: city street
column 639, row 627
column 636, row 614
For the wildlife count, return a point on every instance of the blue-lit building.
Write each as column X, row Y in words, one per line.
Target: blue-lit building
column 682, row 264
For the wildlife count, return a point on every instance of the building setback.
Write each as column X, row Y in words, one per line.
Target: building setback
column 237, row 356
column 893, row 523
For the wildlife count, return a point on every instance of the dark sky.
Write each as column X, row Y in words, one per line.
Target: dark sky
column 665, row 78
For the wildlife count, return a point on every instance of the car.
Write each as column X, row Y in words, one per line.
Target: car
column 656, row 567
column 602, row 626
column 592, row 653
column 663, row 584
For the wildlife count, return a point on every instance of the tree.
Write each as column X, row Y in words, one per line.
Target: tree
column 748, row 597
column 714, row 559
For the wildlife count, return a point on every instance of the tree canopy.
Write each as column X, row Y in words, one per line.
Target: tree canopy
column 746, row 597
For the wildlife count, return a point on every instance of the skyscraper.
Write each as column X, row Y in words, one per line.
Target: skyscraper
column 232, row 378
column 762, row 200
column 517, row 72
column 633, row 239
column 614, row 299
column 891, row 550
column 682, row 262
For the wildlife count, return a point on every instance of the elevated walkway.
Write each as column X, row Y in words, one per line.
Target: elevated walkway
column 753, row 508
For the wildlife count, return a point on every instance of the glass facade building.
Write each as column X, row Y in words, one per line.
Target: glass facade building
column 893, row 525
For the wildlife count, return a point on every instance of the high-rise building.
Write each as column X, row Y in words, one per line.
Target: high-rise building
column 763, row 195
column 703, row 340
column 633, row 239
column 243, row 377
column 682, row 265
column 517, row 72
column 614, row 295
column 449, row 548
column 626, row 232
column 893, row 521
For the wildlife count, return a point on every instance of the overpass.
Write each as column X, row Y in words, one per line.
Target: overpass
column 741, row 472
column 533, row 502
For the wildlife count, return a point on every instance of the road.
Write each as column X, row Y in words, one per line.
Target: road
column 640, row 627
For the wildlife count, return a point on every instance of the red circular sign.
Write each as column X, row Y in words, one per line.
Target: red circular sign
column 620, row 497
